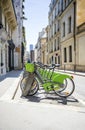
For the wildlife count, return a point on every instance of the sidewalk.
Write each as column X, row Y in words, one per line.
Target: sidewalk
column 9, row 84
column 71, row 72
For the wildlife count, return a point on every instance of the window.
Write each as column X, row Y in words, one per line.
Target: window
column 63, row 29
column 55, row 45
column 55, row 28
column 65, row 3
column 0, row 15
column 1, row 56
column 70, row 53
column 58, row 24
column 5, row 23
column 58, row 42
column 58, row 7
column 55, row 12
column 55, row 60
column 51, row 47
column 69, row 24
column 65, row 55
column 58, row 59
column 68, row 1
column 62, row 5
column 52, row 59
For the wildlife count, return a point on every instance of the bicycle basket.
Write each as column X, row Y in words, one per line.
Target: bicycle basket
column 29, row 67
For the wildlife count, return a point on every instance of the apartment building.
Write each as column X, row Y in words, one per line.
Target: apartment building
column 19, row 34
column 66, row 34
column 12, row 35
column 41, row 47
column 8, row 24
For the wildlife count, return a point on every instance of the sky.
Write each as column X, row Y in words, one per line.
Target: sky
column 36, row 12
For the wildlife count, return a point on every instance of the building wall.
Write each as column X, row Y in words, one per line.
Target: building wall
column 8, row 24
column 18, row 35
column 65, row 20
column 41, row 47
column 80, row 12
column 68, row 39
column 80, row 58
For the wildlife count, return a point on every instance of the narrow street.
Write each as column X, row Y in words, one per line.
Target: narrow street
column 41, row 38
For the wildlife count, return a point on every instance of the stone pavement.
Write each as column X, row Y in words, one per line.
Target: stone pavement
column 9, row 84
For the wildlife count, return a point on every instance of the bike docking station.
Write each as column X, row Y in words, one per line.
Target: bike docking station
column 38, row 74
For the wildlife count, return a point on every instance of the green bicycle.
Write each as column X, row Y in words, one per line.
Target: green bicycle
column 46, row 76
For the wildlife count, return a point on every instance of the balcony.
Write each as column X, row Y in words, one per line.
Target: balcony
column 9, row 12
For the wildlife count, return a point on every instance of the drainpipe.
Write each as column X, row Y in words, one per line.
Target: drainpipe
column 74, row 35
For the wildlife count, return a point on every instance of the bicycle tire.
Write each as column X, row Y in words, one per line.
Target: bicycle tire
column 68, row 90
column 62, row 86
column 34, row 87
column 22, row 82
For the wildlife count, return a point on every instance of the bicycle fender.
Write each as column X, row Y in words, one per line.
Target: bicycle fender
column 60, row 78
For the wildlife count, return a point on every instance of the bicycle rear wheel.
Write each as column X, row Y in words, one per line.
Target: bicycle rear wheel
column 63, row 86
column 34, row 87
column 66, row 89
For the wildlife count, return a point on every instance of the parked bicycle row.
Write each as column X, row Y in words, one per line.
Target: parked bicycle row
column 37, row 74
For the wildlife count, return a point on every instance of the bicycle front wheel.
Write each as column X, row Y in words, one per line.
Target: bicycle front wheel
column 68, row 86
column 34, row 87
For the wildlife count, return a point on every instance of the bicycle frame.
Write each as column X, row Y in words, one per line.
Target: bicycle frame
column 49, row 82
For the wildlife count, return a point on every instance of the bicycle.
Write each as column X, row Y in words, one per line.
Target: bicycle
column 44, row 75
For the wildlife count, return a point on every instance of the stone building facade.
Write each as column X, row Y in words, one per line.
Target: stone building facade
column 66, row 34
column 41, row 47
column 12, row 35
column 18, row 36
column 8, row 24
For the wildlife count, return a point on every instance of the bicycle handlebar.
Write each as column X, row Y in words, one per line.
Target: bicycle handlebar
column 56, row 65
column 47, row 66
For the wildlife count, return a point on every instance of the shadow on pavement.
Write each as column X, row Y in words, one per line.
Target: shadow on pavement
column 12, row 74
column 51, row 98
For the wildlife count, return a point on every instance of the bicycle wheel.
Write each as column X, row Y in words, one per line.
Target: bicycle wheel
column 23, row 83
column 34, row 87
column 63, row 86
column 68, row 86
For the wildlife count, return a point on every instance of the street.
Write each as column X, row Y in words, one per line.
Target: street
column 43, row 111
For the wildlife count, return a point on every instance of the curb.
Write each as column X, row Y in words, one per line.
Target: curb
column 80, row 98
column 74, row 73
column 16, row 89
